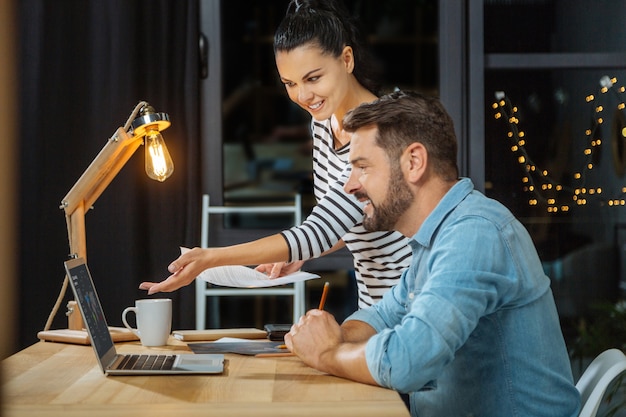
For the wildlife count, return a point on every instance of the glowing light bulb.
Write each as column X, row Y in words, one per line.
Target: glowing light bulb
column 159, row 165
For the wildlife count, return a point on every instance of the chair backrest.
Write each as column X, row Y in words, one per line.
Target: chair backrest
column 295, row 209
column 605, row 368
column 297, row 290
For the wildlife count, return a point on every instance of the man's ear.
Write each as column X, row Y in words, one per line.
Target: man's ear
column 416, row 161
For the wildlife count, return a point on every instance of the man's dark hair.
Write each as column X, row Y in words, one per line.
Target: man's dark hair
column 405, row 117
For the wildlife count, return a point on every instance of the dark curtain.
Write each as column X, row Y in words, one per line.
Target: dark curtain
column 84, row 67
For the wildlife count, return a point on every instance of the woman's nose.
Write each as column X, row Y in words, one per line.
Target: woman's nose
column 304, row 94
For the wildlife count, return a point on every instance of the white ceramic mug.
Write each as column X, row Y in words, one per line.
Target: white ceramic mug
column 154, row 320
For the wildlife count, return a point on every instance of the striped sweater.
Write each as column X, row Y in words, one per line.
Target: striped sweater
column 379, row 257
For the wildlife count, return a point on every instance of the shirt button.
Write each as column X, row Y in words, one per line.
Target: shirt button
column 411, row 295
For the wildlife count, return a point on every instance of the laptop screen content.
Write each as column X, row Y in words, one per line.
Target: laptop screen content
column 92, row 310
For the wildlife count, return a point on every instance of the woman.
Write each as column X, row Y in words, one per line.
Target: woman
column 325, row 71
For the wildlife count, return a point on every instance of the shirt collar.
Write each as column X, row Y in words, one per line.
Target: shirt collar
column 450, row 200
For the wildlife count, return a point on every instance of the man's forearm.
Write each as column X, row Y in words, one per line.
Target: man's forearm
column 356, row 331
column 347, row 361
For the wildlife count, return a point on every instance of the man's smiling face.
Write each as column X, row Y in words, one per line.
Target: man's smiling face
column 377, row 182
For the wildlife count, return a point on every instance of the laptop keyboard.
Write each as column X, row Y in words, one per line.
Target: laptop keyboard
column 147, row 362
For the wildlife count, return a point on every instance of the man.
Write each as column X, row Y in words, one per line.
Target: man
column 472, row 328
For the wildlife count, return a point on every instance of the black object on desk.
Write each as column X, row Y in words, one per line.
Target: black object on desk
column 277, row 332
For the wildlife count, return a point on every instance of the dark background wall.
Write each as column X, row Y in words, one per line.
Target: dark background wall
column 84, row 66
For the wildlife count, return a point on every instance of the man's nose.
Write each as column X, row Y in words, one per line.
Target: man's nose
column 352, row 185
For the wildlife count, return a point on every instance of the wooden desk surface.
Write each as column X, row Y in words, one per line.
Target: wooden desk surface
column 53, row 379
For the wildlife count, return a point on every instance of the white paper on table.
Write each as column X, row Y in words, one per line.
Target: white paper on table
column 231, row 340
column 238, row 276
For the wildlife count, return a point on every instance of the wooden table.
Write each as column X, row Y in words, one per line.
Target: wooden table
column 55, row 379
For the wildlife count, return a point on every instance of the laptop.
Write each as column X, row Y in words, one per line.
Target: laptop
column 113, row 363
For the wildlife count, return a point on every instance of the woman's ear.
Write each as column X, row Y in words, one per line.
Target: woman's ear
column 416, row 161
column 347, row 56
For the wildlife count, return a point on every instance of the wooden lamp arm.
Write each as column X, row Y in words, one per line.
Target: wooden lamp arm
column 96, row 178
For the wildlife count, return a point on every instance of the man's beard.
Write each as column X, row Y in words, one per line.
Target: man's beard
column 398, row 199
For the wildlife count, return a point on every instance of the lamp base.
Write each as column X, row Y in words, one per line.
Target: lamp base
column 81, row 337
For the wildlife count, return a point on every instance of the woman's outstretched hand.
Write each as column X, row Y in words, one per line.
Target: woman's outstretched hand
column 184, row 271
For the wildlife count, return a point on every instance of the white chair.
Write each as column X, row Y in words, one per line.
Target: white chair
column 204, row 290
column 605, row 368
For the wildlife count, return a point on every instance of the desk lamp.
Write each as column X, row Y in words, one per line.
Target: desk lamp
column 142, row 127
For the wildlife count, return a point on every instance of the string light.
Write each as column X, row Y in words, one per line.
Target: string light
column 537, row 181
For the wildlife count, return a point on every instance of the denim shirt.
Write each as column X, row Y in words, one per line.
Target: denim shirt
column 472, row 328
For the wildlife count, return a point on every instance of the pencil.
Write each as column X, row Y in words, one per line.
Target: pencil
column 272, row 354
column 324, row 295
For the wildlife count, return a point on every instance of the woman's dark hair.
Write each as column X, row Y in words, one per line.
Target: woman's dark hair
column 327, row 24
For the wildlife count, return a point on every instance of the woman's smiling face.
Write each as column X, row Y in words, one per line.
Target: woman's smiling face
column 315, row 81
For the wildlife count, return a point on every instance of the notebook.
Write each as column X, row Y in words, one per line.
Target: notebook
column 113, row 363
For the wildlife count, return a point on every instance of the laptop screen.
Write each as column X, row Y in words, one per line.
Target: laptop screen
column 89, row 303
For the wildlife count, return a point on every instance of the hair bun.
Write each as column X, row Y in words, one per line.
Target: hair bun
column 296, row 6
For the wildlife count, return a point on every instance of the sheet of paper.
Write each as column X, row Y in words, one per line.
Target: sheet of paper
column 238, row 276
column 245, row 277
column 231, row 340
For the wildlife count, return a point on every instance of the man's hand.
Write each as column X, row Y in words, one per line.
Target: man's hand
column 315, row 334
column 321, row 343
